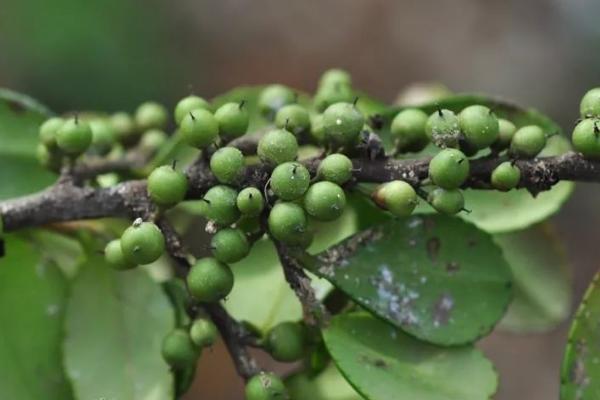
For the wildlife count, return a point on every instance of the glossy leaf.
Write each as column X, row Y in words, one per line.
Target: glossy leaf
column 542, row 284
column 114, row 327
column 580, row 372
column 32, row 305
column 438, row 278
column 383, row 363
column 328, row 385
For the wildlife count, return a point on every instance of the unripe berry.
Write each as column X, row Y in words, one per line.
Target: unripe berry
column 277, row 146
column 293, row 118
column 449, row 168
column 528, row 141
column 229, row 245
column 325, row 201
column 335, row 76
column 113, row 253
column 506, row 176
column 250, row 202
column 590, row 104
column 153, row 139
column 272, row 98
column 227, row 165
column 188, row 104
column 178, row 350
column 103, row 136
column 290, row 180
column 142, row 243
column 342, row 123
column 287, row 223
column 233, row 119
column 398, row 197
column 286, row 342
column 220, row 205
column 586, row 138
column 446, row 201
column 151, row 115
column 203, row 332
column 331, row 94
column 199, row 128
column 48, row 131
column 74, row 136
column 317, row 130
column 210, row 280
column 408, row 130
column 249, row 225
column 167, row 186
column 443, row 128
column 124, row 127
column 479, row 125
column 506, row 131
column 336, row 168
column 266, row 386
column 51, row 159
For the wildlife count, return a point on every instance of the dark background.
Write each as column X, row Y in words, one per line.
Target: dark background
column 114, row 54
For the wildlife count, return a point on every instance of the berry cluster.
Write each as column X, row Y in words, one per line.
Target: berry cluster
column 586, row 135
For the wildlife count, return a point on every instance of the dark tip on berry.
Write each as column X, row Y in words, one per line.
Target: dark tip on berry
column 242, row 104
column 355, row 101
column 596, row 129
column 174, row 164
column 461, row 161
column 577, row 121
column 294, row 169
column 439, row 111
column 287, row 122
column 466, row 210
column 250, row 195
column 192, row 115
column 206, row 201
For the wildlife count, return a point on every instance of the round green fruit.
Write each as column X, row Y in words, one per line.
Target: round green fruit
column 142, row 243
column 408, row 130
column 342, row 123
column 151, row 115
column 229, row 245
column 293, row 118
column 317, row 131
column 74, row 136
column 178, row 350
column 586, row 138
column 590, row 104
column 506, row 131
column 325, row 201
column 167, row 186
column 113, row 253
column 287, row 223
column 336, row 168
column 103, row 136
column 290, row 180
column 506, row 176
column 443, row 128
column 266, row 386
column 449, row 168
column 124, row 127
column 528, row 142
column 250, row 202
column 331, row 94
column 286, row 342
column 203, row 333
column 199, row 128
column 221, row 205
column 277, row 146
column 48, row 131
column 334, row 77
column 233, row 119
column 398, row 197
column 210, row 280
column 446, row 201
column 479, row 125
column 227, row 165
column 188, row 104
column 153, row 140
column 272, row 98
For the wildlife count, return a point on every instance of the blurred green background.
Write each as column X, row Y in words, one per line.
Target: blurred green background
column 114, row 54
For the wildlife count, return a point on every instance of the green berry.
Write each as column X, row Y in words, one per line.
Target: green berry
column 221, row 207
column 317, row 130
column 113, row 253
column 331, row 94
column 506, row 176
column 272, row 98
column 286, row 341
column 449, row 168
column 229, row 245
column 74, row 136
column 142, row 243
column 287, row 223
column 48, row 131
column 199, row 128
column 479, row 125
column 290, row 180
column 342, row 123
column 178, row 350
column 586, row 138
column 103, row 136
column 528, row 141
column 188, row 104
column 203, row 333
column 227, row 165
column 335, row 76
column 124, row 126
column 446, row 201
column 250, row 225
column 293, row 118
column 266, row 386
column 325, row 201
column 250, row 202
column 277, row 146
column 167, row 186
column 408, row 130
column 51, row 159
column 443, row 128
column 210, row 280
column 151, row 115
column 153, row 139
column 336, row 168
column 233, row 119
column 590, row 104
column 398, row 197
column 506, row 131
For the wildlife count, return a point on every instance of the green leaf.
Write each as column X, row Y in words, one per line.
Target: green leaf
column 114, row 328
column 32, row 303
column 65, row 251
column 541, row 279
column 383, row 363
column 20, row 117
column 328, row 385
column 436, row 277
column 580, row 372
